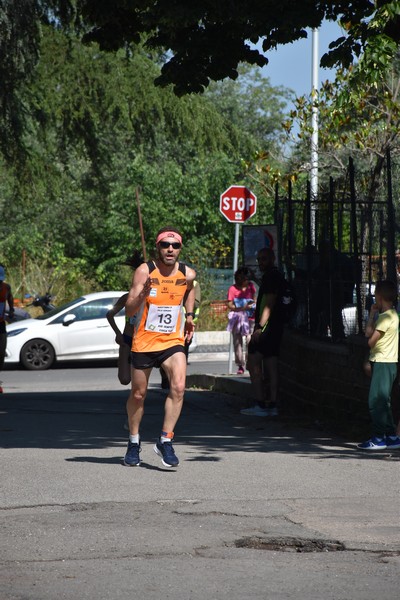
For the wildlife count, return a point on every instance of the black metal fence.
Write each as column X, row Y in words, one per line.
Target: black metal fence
column 334, row 248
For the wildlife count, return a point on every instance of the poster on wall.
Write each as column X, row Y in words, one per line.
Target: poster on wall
column 256, row 237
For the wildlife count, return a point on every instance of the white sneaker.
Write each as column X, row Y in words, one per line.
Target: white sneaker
column 255, row 411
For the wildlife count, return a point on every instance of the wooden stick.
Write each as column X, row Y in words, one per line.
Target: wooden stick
column 141, row 225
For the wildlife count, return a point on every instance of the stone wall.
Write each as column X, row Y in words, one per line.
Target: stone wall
column 320, row 380
column 325, row 380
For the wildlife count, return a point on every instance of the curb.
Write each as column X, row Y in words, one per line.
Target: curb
column 208, row 356
column 228, row 384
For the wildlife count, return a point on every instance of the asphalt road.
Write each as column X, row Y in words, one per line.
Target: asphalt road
column 258, row 509
column 87, row 375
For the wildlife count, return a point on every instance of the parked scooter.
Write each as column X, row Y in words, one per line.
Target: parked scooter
column 43, row 301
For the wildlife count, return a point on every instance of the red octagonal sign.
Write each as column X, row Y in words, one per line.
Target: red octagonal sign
column 238, row 204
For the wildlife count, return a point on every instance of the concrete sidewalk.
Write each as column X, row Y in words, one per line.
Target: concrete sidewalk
column 213, row 346
column 236, row 386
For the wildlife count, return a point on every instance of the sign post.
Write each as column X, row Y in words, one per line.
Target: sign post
column 237, row 204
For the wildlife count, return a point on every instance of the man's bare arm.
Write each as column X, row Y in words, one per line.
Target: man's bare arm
column 189, row 303
column 140, row 289
column 190, row 295
column 270, row 301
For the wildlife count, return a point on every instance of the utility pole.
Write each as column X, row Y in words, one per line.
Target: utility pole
column 314, row 126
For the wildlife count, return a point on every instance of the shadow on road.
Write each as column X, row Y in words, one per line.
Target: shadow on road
column 210, row 425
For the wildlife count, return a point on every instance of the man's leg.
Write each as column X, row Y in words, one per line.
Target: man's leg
column 135, row 402
column 271, row 372
column 271, row 366
column 254, row 365
column 175, row 368
column 247, row 342
column 135, row 410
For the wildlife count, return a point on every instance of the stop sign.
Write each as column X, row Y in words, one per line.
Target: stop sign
column 238, row 204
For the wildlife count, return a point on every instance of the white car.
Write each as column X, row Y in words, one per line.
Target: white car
column 75, row 331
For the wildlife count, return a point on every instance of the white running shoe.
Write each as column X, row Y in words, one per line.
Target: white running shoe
column 255, row 411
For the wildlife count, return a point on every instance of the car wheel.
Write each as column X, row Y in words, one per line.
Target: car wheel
column 37, row 355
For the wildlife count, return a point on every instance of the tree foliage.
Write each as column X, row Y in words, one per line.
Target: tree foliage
column 19, row 35
column 195, row 43
column 96, row 131
column 208, row 40
column 82, row 130
column 204, row 41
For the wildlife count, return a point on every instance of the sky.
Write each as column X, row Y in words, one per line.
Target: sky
column 290, row 65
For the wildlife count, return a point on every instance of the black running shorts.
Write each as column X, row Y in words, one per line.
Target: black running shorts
column 148, row 360
column 269, row 342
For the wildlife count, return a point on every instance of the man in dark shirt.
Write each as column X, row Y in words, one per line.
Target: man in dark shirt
column 265, row 342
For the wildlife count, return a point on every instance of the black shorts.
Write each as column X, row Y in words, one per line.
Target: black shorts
column 148, row 360
column 269, row 342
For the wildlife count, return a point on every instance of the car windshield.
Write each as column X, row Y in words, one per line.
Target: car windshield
column 58, row 309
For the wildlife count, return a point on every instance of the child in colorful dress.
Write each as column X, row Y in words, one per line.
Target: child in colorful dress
column 241, row 302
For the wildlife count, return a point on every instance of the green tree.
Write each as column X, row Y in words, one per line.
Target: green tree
column 194, row 42
column 209, row 40
column 252, row 104
column 96, row 129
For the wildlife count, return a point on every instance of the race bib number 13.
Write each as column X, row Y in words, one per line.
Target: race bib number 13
column 162, row 319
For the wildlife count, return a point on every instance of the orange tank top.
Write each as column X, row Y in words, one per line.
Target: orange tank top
column 160, row 320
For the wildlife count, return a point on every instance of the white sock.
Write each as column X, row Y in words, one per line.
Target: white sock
column 134, row 439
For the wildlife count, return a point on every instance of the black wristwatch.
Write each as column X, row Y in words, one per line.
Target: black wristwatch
column 190, row 314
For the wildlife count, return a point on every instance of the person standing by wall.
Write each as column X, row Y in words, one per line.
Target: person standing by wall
column 162, row 290
column 241, row 303
column 6, row 297
column 382, row 331
column 264, row 347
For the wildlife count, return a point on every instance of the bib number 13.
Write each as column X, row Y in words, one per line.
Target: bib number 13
column 162, row 319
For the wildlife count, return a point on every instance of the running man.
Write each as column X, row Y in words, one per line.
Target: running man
column 162, row 291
